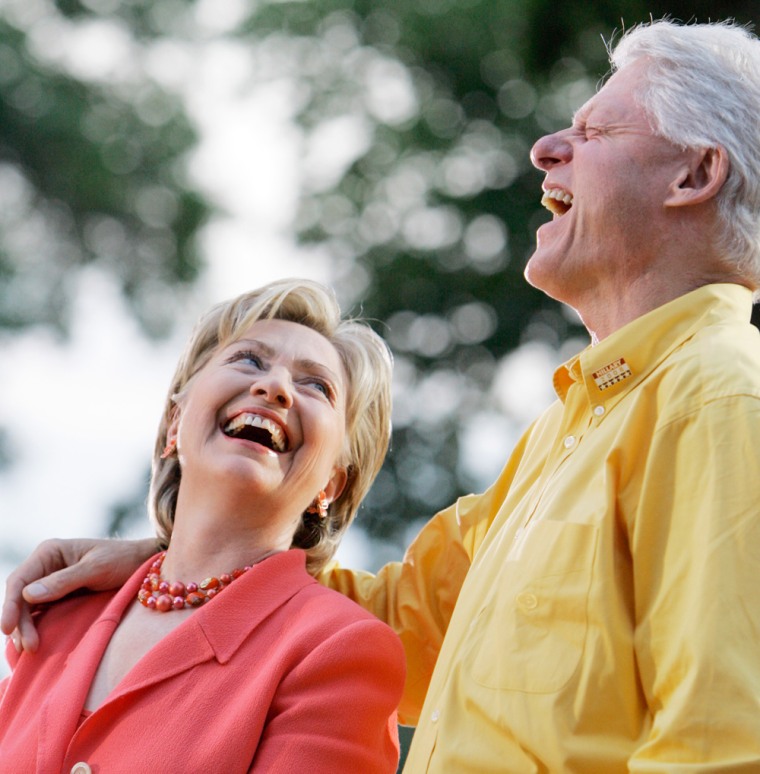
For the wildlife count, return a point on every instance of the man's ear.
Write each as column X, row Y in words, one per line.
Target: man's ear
column 700, row 179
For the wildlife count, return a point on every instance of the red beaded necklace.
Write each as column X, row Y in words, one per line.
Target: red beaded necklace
column 157, row 594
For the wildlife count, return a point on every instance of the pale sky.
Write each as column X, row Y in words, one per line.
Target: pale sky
column 82, row 416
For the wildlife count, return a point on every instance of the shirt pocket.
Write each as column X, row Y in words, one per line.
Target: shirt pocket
column 530, row 634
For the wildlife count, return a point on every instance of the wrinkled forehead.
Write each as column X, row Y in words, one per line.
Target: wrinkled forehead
column 287, row 336
column 619, row 99
column 271, row 336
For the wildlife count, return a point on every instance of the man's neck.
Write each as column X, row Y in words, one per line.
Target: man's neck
column 604, row 314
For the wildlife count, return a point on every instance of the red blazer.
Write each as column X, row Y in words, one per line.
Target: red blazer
column 276, row 675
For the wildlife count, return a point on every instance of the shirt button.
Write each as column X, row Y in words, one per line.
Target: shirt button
column 81, row 768
column 569, row 442
column 599, row 411
column 527, row 601
column 434, row 715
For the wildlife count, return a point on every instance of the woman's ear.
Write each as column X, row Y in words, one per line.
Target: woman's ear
column 337, row 483
column 701, row 177
column 172, row 431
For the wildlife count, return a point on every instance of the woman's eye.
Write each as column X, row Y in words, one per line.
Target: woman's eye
column 320, row 386
column 246, row 356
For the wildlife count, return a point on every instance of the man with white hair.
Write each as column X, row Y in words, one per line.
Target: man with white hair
column 596, row 609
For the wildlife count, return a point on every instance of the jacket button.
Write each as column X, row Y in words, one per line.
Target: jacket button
column 81, row 768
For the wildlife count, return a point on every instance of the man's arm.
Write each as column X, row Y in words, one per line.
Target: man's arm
column 416, row 597
column 696, row 551
column 58, row 567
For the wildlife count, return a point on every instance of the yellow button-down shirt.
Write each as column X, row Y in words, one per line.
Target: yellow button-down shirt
column 601, row 601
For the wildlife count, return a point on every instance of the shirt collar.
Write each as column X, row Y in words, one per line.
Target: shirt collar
column 619, row 362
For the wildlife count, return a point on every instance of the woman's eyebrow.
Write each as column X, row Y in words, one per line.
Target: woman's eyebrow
column 265, row 349
column 313, row 365
column 305, row 363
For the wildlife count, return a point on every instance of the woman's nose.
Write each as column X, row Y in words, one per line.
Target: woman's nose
column 552, row 149
column 274, row 386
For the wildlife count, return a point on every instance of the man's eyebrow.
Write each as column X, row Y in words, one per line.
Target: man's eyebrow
column 580, row 115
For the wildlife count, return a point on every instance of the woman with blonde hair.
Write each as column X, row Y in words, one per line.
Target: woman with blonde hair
column 222, row 653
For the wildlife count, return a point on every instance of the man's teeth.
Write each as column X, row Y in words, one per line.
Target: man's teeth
column 556, row 201
column 236, row 424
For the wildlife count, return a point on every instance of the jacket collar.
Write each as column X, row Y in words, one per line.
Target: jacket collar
column 216, row 630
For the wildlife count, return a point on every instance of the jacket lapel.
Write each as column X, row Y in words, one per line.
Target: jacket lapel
column 218, row 629
column 70, row 691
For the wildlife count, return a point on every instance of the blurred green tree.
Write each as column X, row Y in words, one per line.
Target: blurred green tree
column 418, row 117
column 432, row 214
column 90, row 174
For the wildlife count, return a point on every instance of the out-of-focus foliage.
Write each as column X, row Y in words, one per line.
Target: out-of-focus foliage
column 90, row 169
column 418, row 118
column 431, row 214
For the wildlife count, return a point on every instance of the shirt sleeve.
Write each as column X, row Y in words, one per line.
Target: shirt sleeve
column 695, row 544
column 336, row 710
column 415, row 597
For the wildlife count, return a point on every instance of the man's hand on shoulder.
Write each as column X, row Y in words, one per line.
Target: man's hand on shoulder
column 58, row 567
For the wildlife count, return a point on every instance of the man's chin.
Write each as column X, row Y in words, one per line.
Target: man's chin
column 544, row 273
column 538, row 271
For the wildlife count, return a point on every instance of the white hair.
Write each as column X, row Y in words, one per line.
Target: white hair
column 702, row 91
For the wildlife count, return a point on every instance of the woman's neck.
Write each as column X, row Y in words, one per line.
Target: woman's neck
column 216, row 534
column 197, row 556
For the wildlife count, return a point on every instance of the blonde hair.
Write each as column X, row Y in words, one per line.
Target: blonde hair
column 367, row 363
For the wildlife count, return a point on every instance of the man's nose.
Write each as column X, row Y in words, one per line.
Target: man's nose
column 552, row 149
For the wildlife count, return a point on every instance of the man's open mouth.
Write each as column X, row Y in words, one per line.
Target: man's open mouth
column 558, row 202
